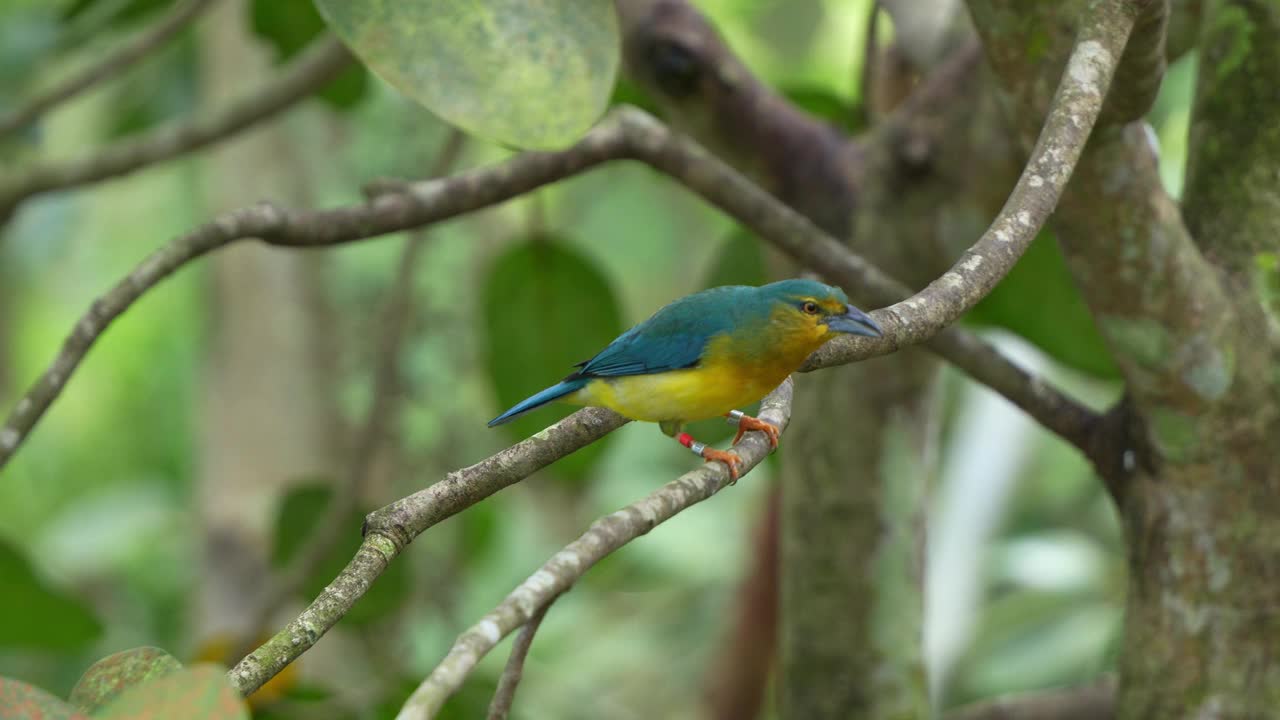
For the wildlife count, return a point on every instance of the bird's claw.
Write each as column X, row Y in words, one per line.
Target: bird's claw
column 731, row 461
column 747, row 424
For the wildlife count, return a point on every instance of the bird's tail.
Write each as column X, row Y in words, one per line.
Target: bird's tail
column 534, row 402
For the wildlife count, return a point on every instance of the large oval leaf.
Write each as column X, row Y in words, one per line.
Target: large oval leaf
column 197, row 693
column 545, row 308
column 301, row 509
column 37, row 615
column 20, row 701
column 112, row 675
column 529, row 73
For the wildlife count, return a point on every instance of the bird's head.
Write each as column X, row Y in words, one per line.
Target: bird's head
column 816, row 312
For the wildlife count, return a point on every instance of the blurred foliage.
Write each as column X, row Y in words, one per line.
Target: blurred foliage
column 290, row 25
column 545, row 309
column 200, row 692
column 106, row 679
column 20, row 701
column 135, row 685
column 102, row 498
column 39, row 616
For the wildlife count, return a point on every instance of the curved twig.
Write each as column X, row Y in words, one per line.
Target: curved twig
column 500, row 706
column 605, row 536
column 138, row 47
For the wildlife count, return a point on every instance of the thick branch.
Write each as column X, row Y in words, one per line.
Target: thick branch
column 1232, row 194
column 309, row 72
column 605, row 536
column 1091, row 702
column 138, row 47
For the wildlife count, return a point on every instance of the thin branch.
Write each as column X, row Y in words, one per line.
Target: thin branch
column 500, row 706
column 605, row 536
column 389, row 531
column 1090, row 702
column 310, row 71
column 397, row 316
column 115, row 63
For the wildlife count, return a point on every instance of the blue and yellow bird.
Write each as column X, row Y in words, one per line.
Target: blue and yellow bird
column 707, row 354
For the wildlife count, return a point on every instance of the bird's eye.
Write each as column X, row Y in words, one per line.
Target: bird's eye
column 810, row 307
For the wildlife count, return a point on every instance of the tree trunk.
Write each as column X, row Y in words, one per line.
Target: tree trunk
column 1184, row 310
column 265, row 415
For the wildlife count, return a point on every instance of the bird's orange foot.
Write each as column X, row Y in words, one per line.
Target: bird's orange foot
column 731, row 461
column 746, row 424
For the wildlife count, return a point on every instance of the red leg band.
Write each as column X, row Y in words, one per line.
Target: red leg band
column 685, row 439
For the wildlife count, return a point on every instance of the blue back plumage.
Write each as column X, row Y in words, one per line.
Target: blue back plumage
column 676, row 336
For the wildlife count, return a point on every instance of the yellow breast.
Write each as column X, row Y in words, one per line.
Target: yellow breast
column 723, row 382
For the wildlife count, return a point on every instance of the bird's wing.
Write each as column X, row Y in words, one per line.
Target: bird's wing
column 672, row 339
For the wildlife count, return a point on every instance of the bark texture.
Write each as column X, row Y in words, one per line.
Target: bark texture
column 1185, row 310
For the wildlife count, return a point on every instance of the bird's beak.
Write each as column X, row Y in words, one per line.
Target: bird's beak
column 854, row 322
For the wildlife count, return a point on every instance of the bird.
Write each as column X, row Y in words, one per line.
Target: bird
column 706, row 355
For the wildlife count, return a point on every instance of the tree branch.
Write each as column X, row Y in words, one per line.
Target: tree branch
column 633, row 134
column 389, row 531
column 1090, row 702
column 113, row 64
column 500, row 706
column 310, row 71
column 605, row 536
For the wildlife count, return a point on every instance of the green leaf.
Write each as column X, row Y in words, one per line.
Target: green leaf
column 112, row 675
column 20, row 701
column 291, row 25
column 200, row 692
column 35, row 615
column 545, row 308
column 529, row 73
column 1039, row 301
column 626, row 92
column 295, row 528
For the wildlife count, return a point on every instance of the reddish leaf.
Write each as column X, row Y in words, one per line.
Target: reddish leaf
column 20, row 701
column 112, row 675
column 197, row 693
